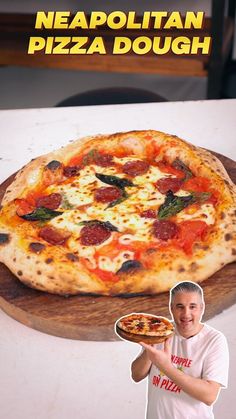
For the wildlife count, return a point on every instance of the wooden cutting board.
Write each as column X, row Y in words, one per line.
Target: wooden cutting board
column 93, row 317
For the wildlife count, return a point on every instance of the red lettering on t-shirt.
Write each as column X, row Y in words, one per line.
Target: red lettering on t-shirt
column 185, row 362
column 164, row 383
column 156, row 380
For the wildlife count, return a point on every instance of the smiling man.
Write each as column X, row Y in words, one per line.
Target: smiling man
column 188, row 370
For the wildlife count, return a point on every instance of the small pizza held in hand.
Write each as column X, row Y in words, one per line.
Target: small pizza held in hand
column 142, row 327
column 127, row 213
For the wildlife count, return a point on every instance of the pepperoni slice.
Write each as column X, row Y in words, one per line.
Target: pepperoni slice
column 54, row 236
column 166, row 184
column 70, row 171
column 93, row 234
column 107, row 194
column 103, row 160
column 51, row 201
column 135, row 168
column 164, row 229
column 150, row 213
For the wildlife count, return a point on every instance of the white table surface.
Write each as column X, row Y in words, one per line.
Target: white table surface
column 47, row 377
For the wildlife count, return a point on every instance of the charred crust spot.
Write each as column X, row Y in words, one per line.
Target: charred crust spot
column 53, row 165
column 228, row 237
column 129, row 266
column 72, row 257
column 234, row 252
column 28, row 257
column 4, row 238
column 19, row 273
column 222, row 216
column 14, row 259
column 36, row 247
column 39, row 273
column 51, row 277
column 193, row 266
column 49, row 260
column 181, row 269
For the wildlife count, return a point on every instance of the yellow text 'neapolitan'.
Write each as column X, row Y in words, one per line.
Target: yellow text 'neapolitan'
column 160, row 21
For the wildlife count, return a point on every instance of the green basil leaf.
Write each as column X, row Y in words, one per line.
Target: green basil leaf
column 114, row 180
column 173, row 204
column 41, row 214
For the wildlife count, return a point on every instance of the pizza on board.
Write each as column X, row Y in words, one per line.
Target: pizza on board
column 142, row 327
column 126, row 213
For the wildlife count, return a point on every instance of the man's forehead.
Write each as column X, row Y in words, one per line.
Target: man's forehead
column 183, row 297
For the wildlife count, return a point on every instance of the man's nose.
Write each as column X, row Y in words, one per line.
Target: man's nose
column 186, row 311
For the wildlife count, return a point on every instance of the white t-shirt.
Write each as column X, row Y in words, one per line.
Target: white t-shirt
column 206, row 356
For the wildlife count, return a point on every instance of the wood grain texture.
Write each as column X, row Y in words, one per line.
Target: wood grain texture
column 93, row 317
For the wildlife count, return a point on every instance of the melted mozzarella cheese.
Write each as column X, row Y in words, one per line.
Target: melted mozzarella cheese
column 124, row 216
column 205, row 213
column 113, row 265
column 152, row 175
column 123, row 219
column 81, row 190
column 69, row 220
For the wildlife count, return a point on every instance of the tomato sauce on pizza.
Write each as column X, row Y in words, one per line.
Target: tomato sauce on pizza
column 114, row 208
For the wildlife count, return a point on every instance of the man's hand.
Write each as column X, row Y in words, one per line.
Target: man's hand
column 160, row 358
column 200, row 389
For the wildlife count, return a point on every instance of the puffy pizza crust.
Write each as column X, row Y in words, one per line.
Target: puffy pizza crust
column 62, row 276
column 141, row 338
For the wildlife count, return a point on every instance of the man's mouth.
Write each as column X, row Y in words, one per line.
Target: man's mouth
column 185, row 321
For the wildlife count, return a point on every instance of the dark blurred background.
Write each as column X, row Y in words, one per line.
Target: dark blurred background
column 45, row 81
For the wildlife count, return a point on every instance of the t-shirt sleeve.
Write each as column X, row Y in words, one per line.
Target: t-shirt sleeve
column 216, row 363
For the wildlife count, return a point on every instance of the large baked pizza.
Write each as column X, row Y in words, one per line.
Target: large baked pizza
column 126, row 213
column 143, row 327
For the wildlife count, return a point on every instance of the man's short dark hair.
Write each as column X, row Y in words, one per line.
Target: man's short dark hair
column 186, row 286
